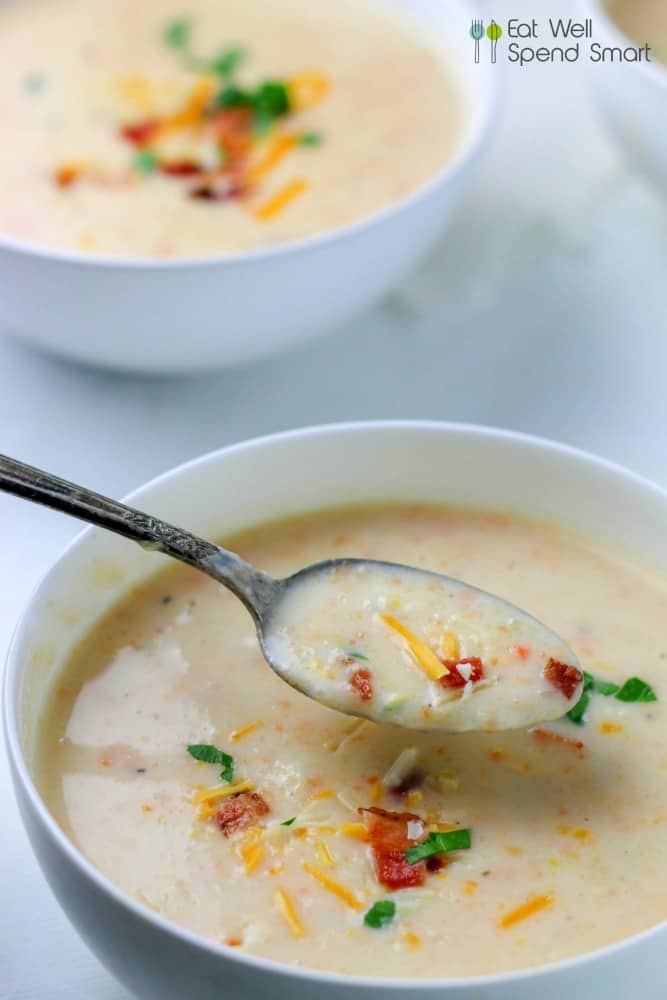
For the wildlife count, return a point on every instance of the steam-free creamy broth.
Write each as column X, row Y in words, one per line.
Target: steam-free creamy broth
column 212, row 792
column 161, row 130
column 643, row 21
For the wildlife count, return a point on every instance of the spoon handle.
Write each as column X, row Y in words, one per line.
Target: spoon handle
column 253, row 587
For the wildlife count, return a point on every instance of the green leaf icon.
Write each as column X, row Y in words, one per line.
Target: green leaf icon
column 494, row 31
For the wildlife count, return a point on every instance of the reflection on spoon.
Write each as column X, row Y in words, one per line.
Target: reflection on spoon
column 387, row 642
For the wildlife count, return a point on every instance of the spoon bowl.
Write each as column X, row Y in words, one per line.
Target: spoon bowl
column 436, row 653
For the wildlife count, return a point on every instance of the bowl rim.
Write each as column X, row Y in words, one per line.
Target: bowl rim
column 123, row 900
column 468, row 149
column 655, row 70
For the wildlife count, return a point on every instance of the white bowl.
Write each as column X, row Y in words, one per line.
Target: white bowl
column 235, row 488
column 201, row 313
column 632, row 96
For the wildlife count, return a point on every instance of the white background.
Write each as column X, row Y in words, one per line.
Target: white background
column 543, row 309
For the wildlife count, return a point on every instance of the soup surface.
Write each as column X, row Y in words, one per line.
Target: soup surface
column 148, row 129
column 643, row 21
column 213, row 793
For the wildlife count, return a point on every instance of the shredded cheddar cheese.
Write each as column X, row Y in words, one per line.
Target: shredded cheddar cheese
column 278, row 149
column 238, row 734
column 451, row 649
column 253, row 855
column 326, row 793
column 288, row 911
column 307, row 89
column 333, row 886
column 422, row 653
column 357, row 830
column 281, row 200
column 208, row 795
column 527, row 909
column 324, row 854
column 192, row 110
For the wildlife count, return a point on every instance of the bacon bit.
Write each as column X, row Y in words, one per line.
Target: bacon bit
column 233, row 128
column 307, row 90
column 240, row 812
column 422, row 653
column 361, row 682
column 408, row 784
column 527, row 909
column 549, row 736
column 233, row 942
column 219, row 187
column 333, row 886
column 288, row 911
column 388, row 836
column 180, row 168
column 611, row 727
column 281, row 200
column 277, row 151
column 239, row 734
column 566, row 678
column 140, row 133
column 453, row 678
column 521, row 651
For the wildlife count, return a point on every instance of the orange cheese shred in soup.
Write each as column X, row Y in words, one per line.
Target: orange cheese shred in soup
column 212, row 792
column 217, row 128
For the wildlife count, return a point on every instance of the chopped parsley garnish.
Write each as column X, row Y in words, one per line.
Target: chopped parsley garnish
column 145, row 161
column 577, row 712
column 209, row 754
column 288, row 822
column 380, row 913
column 314, row 139
column 356, row 654
column 439, row 843
column 177, row 33
column 227, row 62
column 34, row 83
column 634, row 690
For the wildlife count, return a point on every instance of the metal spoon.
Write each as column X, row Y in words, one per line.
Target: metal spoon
column 271, row 603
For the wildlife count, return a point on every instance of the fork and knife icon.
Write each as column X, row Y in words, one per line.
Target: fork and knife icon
column 493, row 33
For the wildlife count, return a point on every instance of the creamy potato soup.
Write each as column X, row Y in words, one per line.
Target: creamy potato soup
column 158, row 129
column 215, row 794
column 643, row 21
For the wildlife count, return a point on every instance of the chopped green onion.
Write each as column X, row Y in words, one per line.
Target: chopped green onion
column 288, row 822
column 177, row 33
column 589, row 681
column 355, row 653
column 380, row 913
column 315, row 139
column 145, row 161
column 635, row 689
column 577, row 712
column 439, row 843
column 209, row 754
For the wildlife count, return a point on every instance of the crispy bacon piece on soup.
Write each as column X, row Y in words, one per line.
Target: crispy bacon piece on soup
column 471, row 670
column 240, row 812
column 390, row 834
column 362, row 683
column 566, row 678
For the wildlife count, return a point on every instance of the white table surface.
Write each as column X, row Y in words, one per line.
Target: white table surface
column 543, row 308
